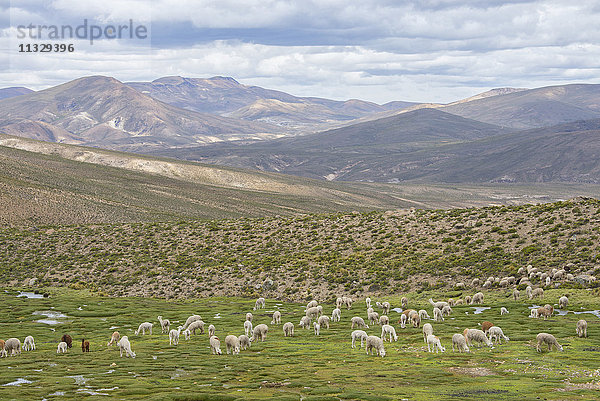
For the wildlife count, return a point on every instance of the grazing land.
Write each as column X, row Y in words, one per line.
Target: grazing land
column 301, row 367
column 298, row 257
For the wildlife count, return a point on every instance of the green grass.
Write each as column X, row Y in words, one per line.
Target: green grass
column 314, row 368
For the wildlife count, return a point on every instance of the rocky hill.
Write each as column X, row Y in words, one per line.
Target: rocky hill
column 310, row 257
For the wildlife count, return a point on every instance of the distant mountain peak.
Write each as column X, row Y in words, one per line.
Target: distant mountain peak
column 221, row 78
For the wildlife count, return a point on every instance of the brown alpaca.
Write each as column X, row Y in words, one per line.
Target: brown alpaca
column 114, row 339
column 85, row 346
column 485, row 326
column 67, row 338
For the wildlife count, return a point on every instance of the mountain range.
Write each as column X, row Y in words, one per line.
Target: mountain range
column 503, row 135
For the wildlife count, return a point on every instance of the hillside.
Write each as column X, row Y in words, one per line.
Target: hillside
column 226, row 96
column 346, row 153
column 46, row 183
column 5, row 93
column 353, row 253
column 103, row 112
column 426, row 146
column 540, row 107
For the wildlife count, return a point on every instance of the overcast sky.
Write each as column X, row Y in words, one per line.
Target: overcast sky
column 419, row 50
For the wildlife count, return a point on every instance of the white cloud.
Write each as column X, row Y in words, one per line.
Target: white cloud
column 383, row 50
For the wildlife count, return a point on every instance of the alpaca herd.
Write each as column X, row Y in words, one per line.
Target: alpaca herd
column 488, row 334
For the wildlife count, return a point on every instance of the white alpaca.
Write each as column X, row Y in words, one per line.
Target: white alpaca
column 368, row 302
column 438, row 316
column 215, row 345
column 12, row 345
column 276, row 317
column 581, row 328
column 165, row 324
column 383, row 319
column 358, row 322
column 563, row 302
column 545, row 338
column 390, row 331
column 433, row 344
column 174, row 336
column 62, row 347
column 28, row 344
column 495, row 333
column 125, row 345
column 311, row 304
column 211, row 330
column 476, row 335
column 358, row 334
column 260, row 332
column 187, row 334
column 249, row 316
column 146, row 326
column 427, row 331
column 460, row 342
column 244, row 342
column 190, row 320
column 374, row 344
column 196, row 325
column 248, row 328
column 259, row 304
column 385, row 307
column 324, row 321
column 403, row 319
column 423, row 314
column 288, row 329
column 232, row 344
column 373, row 318
column 336, row 315
column 503, row 311
column 317, row 328
column 305, row 322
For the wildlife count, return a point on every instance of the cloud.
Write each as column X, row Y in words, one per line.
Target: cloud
column 433, row 50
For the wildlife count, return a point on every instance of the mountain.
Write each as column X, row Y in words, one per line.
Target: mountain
column 103, row 112
column 5, row 93
column 226, row 96
column 568, row 153
column 349, row 152
column 533, row 108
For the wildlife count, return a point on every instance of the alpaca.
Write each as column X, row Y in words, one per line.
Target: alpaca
column 85, row 346
column 164, row 324
column 174, row 336
column 67, row 339
column 28, row 344
column 114, row 339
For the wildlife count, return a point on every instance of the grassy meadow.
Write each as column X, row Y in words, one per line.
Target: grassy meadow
column 305, row 367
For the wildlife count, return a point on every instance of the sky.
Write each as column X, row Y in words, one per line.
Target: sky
column 376, row 50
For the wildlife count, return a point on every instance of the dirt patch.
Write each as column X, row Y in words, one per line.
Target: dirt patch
column 476, row 392
column 473, row 372
column 580, row 386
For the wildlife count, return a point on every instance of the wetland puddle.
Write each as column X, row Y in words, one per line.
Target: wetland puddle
column 29, row 295
column 18, row 382
column 480, row 309
column 51, row 315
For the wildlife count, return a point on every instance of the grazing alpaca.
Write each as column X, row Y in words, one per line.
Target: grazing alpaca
column 114, row 339
column 146, row 326
column 85, row 346
column 67, row 339
column 28, row 344
column 62, row 347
